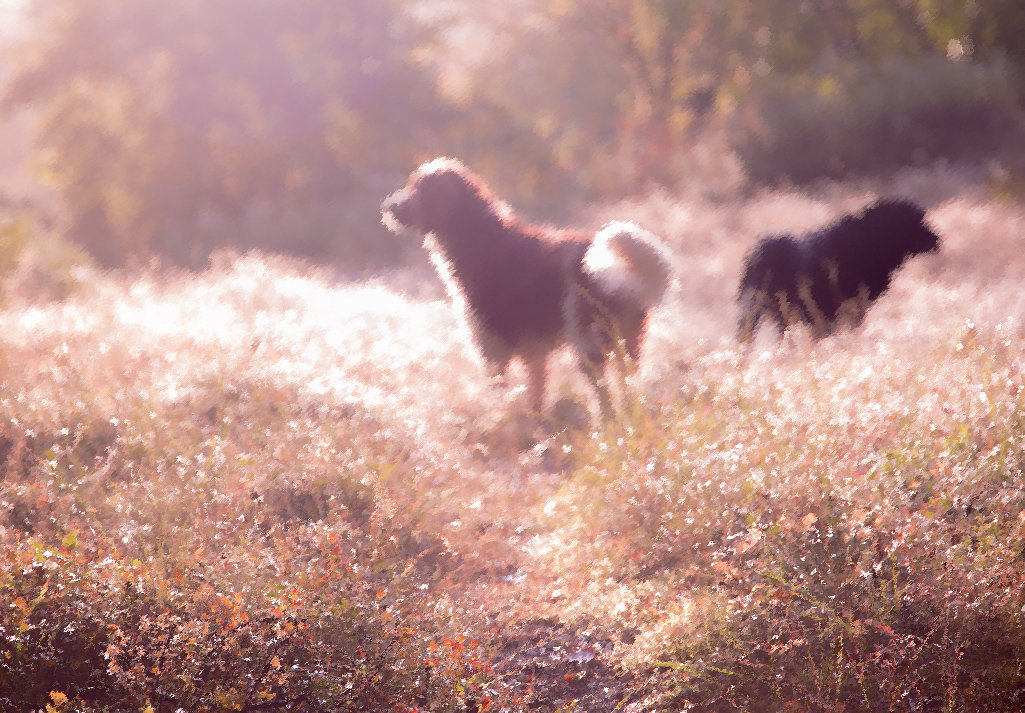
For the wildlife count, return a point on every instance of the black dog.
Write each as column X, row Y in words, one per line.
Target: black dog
column 833, row 275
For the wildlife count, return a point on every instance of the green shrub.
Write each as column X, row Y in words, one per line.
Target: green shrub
column 36, row 264
column 112, row 635
column 868, row 119
column 225, row 552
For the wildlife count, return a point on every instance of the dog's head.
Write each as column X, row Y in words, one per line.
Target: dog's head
column 902, row 225
column 436, row 194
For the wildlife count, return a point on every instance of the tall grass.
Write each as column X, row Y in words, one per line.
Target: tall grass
column 257, row 488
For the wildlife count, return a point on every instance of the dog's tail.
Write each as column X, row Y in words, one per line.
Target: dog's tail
column 626, row 259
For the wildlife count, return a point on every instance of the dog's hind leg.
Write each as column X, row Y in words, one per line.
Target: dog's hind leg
column 604, row 398
column 747, row 325
column 595, row 373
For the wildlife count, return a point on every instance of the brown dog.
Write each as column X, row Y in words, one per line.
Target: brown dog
column 529, row 289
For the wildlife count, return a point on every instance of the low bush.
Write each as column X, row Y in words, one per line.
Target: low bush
column 253, row 489
column 37, row 262
column 837, row 549
column 226, row 551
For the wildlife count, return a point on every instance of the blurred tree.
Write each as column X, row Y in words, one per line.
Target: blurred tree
column 595, row 91
column 680, row 63
column 537, row 96
column 977, row 28
column 616, row 92
column 174, row 127
column 813, row 37
column 674, row 53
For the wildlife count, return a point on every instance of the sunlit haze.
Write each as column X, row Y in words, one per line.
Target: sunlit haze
column 635, row 403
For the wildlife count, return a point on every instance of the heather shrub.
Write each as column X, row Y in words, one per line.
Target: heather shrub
column 212, row 543
column 838, row 545
column 258, row 488
column 115, row 635
column 54, row 634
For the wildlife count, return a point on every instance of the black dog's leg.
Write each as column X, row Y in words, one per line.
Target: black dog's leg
column 751, row 312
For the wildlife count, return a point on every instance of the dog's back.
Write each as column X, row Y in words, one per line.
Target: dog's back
column 860, row 253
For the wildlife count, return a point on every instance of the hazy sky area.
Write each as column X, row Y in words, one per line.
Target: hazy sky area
column 10, row 11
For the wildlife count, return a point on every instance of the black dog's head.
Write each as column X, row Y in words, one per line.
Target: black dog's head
column 899, row 227
column 437, row 194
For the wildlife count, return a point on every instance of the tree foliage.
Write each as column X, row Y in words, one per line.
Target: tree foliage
column 173, row 128
column 167, row 124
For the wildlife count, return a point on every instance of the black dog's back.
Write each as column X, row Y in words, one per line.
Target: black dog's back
column 863, row 251
column 834, row 272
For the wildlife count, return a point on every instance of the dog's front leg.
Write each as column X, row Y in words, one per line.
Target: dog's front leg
column 536, row 376
column 496, row 373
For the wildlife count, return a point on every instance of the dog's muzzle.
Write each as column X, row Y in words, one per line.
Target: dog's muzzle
column 397, row 210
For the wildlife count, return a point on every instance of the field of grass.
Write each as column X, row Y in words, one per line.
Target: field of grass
column 256, row 488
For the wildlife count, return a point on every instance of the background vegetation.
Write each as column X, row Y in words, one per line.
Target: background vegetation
column 172, row 129
column 235, row 479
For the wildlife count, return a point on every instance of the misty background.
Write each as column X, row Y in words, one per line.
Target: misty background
column 134, row 130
